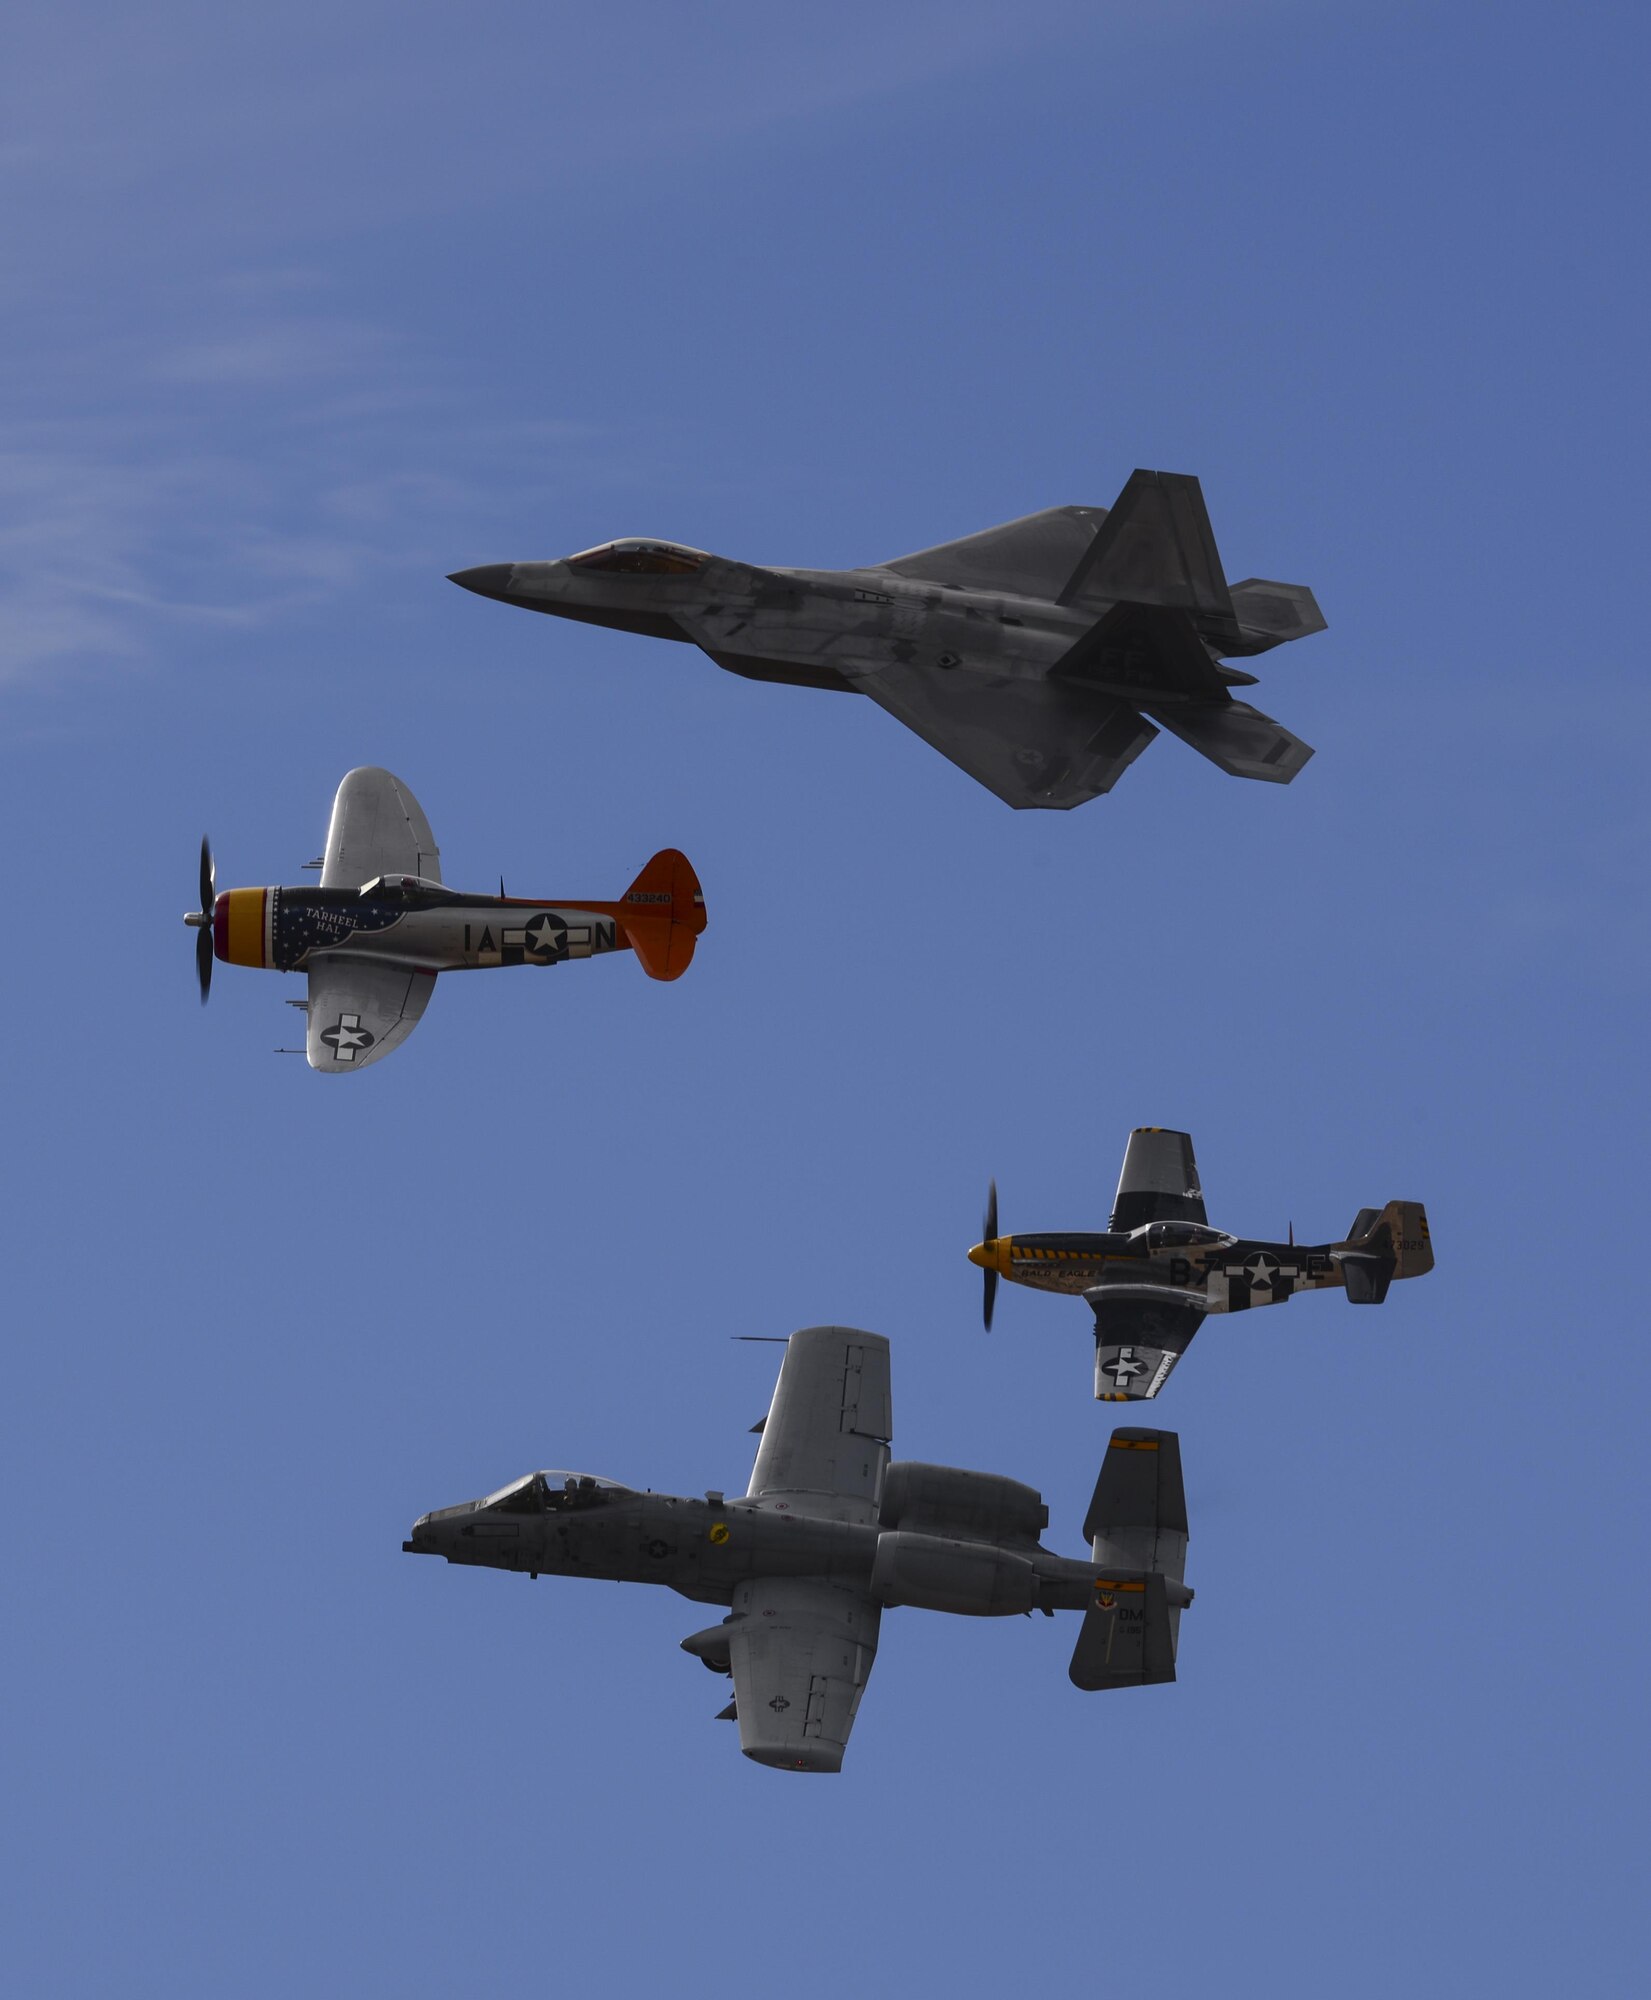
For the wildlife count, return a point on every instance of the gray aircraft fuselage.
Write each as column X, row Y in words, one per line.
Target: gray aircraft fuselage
column 785, row 624
column 705, row 1549
column 1031, row 654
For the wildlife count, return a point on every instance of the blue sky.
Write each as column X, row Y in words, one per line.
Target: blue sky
column 308, row 308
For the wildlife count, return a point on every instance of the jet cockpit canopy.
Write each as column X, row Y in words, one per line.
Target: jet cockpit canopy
column 553, row 1493
column 636, row 558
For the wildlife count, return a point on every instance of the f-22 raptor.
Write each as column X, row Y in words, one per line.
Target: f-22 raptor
column 1030, row 654
column 830, row 1534
column 1153, row 1275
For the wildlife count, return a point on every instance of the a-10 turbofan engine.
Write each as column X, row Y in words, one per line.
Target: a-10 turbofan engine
column 967, row 1543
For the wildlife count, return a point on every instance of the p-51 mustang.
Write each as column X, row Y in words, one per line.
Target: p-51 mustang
column 374, row 935
column 830, row 1533
column 1025, row 653
column 1160, row 1268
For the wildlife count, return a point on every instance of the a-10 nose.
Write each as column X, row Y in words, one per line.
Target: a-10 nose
column 422, row 1541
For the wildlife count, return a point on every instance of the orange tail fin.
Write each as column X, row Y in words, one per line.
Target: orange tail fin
column 662, row 913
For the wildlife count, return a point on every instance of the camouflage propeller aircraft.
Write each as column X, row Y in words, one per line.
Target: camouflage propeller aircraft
column 381, row 926
column 1159, row 1267
column 830, row 1534
column 1030, row 654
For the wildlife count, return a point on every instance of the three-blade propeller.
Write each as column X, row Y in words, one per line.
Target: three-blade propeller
column 988, row 1234
column 200, row 921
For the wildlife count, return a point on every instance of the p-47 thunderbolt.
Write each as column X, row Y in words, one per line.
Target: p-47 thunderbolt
column 381, row 926
column 1159, row 1268
column 830, row 1534
column 1031, row 654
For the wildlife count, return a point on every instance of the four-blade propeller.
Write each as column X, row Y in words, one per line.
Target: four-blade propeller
column 200, row 921
column 988, row 1234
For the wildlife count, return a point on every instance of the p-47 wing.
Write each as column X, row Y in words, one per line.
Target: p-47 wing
column 800, row 1648
column 360, row 1009
column 377, row 828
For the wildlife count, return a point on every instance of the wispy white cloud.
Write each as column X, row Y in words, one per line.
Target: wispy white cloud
column 267, row 463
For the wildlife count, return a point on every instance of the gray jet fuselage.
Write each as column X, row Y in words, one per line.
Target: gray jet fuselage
column 786, row 624
column 705, row 1549
column 1031, row 655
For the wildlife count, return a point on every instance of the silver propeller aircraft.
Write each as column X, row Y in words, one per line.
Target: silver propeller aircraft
column 830, row 1533
column 1025, row 653
column 1159, row 1267
column 381, row 926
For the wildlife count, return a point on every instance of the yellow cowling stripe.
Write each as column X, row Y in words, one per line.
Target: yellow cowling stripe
column 246, row 926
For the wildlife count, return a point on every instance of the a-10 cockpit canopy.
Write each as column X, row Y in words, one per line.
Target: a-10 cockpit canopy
column 553, row 1493
column 634, row 558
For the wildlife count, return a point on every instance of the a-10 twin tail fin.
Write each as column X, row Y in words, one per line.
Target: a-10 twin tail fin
column 1137, row 1527
column 1382, row 1245
column 662, row 914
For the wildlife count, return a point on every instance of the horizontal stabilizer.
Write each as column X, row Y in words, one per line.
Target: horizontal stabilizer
column 1138, row 1515
column 1393, row 1244
column 1269, row 614
column 1125, row 1639
column 1239, row 739
column 1137, row 1528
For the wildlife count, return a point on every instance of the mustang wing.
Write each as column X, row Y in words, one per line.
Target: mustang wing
column 1048, row 742
column 800, row 1650
column 361, row 1009
column 826, row 1435
column 1139, row 1338
column 377, row 828
column 1159, row 1181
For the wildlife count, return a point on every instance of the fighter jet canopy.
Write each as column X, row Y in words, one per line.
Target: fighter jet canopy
column 640, row 559
column 553, row 1493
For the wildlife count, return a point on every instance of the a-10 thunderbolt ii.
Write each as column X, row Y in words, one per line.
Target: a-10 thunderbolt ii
column 830, row 1534
column 381, row 926
column 1159, row 1267
column 1030, row 654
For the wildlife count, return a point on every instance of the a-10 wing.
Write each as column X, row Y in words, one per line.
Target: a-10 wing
column 800, row 1651
column 800, row 1648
